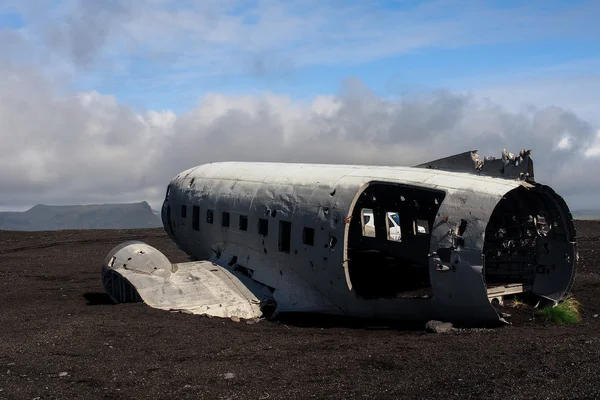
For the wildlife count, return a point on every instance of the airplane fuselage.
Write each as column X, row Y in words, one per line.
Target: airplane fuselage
column 301, row 231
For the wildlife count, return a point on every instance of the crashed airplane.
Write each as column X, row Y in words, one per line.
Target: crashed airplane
column 445, row 240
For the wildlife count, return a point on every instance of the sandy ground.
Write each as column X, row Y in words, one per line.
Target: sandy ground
column 61, row 339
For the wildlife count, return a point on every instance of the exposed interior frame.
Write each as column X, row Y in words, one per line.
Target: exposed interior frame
column 529, row 245
column 386, row 252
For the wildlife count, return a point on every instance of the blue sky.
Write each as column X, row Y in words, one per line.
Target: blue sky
column 98, row 83
column 305, row 48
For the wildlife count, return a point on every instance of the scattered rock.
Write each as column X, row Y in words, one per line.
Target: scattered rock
column 187, row 386
column 229, row 375
column 595, row 315
column 438, row 327
column 252, row 321
column 63, row 374
column 235, row 319
column 505, row 315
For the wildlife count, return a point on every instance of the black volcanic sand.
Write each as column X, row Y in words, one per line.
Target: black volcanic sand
column 60, row 338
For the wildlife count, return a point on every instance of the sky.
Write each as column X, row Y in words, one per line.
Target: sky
column 106, row 101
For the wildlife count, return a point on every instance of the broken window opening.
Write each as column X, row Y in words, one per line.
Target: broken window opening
column 421, row 227
column 196, row 218
column 209, row 216
column 308, row 236
column 263, row 227
column 368, row 223
column 225, row 219
column 392, row 221
column 285, row 235
column 390, row 264
column 183, row 211
column 243, row 223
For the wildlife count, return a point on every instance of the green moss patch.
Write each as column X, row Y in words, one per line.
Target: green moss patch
column 565, row 313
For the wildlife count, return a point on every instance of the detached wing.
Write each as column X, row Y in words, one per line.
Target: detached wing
column 135, row 271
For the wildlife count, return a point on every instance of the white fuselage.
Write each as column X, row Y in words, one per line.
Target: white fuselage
column 298, row 229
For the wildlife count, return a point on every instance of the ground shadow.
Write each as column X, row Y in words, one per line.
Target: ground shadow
column 97, row 298
column 308, row 320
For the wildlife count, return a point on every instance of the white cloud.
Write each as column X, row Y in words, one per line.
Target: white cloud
column 564, row 143
column 61, row 147
column 578, row 91
column 87, row 148
column 594, row 149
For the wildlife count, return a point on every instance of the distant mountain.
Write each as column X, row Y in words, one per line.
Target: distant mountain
column 586, row 214
column 102, row 216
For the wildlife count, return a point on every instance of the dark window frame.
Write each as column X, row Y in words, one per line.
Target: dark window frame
column 225, row 219
column 196, row 218
column 243, row 223
column 308, row 236
column 263, row 227
column 285, row 236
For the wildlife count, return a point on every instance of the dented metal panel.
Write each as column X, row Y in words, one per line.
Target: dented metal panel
column 194, row 287
column 509, row 166
column 296, row 230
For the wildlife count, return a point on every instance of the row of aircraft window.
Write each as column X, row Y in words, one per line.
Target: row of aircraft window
column 392, row 223
column 308, row 234
column 285, row 227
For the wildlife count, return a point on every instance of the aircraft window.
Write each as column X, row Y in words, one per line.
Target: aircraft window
column 263, row 227
column 209, row 216
column 225, row 219
column 243, row 223
column 170, row 221
column 183, row 211
column 196, row 218
column 368, row 223
column 308, row 236
column 285, row 235
column 168, row 193
column 421, row 227
column 392, row 221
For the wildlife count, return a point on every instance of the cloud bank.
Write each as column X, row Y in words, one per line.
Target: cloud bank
column 61, row 145
column 63, row 148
